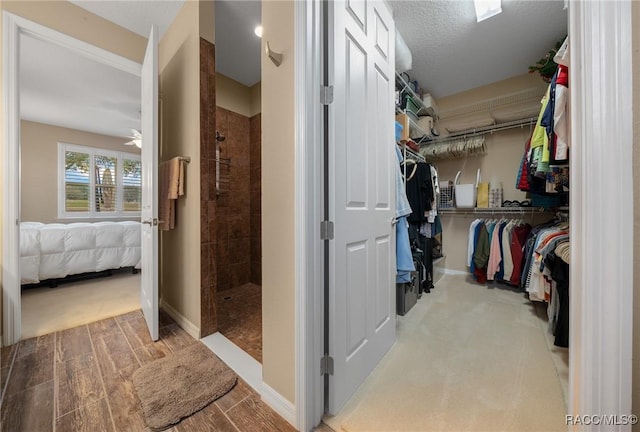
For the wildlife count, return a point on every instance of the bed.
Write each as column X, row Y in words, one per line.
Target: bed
column 55, row 251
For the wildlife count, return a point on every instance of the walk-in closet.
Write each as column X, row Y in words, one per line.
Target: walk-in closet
column 482, row 223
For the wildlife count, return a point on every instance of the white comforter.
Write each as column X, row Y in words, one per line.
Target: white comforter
column 49, row 251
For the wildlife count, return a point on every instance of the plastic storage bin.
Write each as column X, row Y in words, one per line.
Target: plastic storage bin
column 466, row 194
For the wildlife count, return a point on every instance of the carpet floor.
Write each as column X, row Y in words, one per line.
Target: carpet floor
column 466, row 358
column 47, row 310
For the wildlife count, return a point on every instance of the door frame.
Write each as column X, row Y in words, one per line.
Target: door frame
column 309, row 250
column 13, row 27
column 601, row 326
column 594, row 323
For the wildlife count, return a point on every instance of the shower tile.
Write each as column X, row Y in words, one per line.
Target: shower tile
column 239, row 274
column 222, row 203
column 239, row 202
column 239, row 227
column 256, row 272
column 222, row 121
column 239, row 250
column 222, row 231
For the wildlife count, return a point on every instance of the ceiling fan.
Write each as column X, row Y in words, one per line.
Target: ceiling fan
column 136, row 138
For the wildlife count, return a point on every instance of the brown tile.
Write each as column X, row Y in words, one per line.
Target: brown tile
column 222, row 203
column 123, row 400
column 255, row 221
column 136, row 332
column 208, row 419
column 165, row 318
column 113, row 354
column 240, row 200
column 103, row 328
column 205, row 233
column 90, row 418
column 4, row 374
column 206, row 250
column 222, row 121
column 131, row 315
column 223, row 277
column 239, row 392
column 7, row 353
column 222, row 229
column 239, row 251
column 256, row 272
column 212, row 222
column 240, row 274
column 152, row 351
column 78, row 383
column 29, row 410
column 175, row 337
column 239, row 227
column 254, row 415
column 40, row 343
column 32, row 366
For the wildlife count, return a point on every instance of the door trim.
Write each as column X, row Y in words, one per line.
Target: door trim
column 309, row 248
column 600, row 366
column 13, row 27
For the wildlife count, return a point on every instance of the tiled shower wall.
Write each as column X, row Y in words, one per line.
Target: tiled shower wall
column 233, row 209
column 208, row 316
column 255, row 197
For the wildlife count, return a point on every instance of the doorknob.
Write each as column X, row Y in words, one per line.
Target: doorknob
column 152, row 222
column 394, row 221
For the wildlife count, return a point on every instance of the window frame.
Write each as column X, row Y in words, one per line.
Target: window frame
column 120, row 156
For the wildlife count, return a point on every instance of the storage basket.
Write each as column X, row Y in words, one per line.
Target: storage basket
column 446, row 199
column 466, row 194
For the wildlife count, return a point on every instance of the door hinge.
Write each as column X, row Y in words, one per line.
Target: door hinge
column 326, row 365
column 326, row 95
column 326, row 230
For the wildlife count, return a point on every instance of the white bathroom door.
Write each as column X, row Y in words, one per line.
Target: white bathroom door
column 149, row 213
column 362, row 322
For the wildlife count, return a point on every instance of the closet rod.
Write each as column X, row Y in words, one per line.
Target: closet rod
column 485, row 130
column 495, row 210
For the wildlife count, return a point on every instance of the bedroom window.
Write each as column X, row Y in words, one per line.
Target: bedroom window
column 98, row 183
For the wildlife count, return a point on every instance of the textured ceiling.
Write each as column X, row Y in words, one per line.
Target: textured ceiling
column 237, row 46
column 453, row 53
column 137, row 16
column 63, row 88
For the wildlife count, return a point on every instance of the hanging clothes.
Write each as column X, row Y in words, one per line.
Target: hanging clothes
column 404, row 258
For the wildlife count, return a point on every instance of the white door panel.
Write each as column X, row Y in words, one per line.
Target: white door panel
column 362, row 194
column 149, row 213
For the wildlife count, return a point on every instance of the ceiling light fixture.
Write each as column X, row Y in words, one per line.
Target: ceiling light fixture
column 258, row 31
column 487, row 8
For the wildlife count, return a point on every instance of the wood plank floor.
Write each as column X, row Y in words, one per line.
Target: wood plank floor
column 81, row 380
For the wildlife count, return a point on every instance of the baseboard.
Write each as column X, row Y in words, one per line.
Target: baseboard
column 181, row 320
column 279, row 404
column 455, row 272
column 250, row 370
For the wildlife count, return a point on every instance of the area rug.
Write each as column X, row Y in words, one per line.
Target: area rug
column 181, row 384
